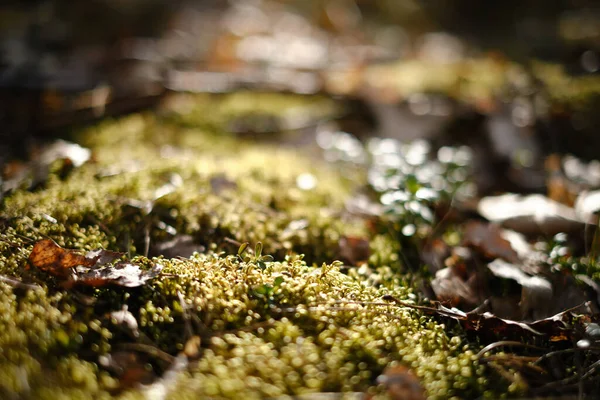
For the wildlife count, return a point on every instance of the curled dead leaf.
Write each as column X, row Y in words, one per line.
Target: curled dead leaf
column 50, row 257
column 93, row 269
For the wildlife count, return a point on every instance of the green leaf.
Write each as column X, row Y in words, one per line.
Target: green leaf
column 242, row 248
column 258, row 250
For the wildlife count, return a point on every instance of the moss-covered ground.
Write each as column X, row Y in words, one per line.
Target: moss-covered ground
column 248, row 326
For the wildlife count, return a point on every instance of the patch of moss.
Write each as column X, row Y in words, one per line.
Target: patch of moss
column 481, row 80
column 291, row 326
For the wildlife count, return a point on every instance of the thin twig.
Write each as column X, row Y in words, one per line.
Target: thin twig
column 506, row 343
column 511, row 358
column 17, row 283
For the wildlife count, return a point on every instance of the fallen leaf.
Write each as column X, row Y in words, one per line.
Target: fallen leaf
column 93, row 269
column 449, row 287
column 434, row 252
column 533, row 214
column 460, row 283
column 536, row 292
column 36, row 170
column 587, row 205
column 566, row 324
column 518, row 243
column 50, row 257
column 487, row 239
column 122, row 274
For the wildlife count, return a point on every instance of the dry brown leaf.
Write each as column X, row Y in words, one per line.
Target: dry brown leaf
column 93, row 269
column 536, row 291
column 50, row 257
column 533, row 214
column 487, row 239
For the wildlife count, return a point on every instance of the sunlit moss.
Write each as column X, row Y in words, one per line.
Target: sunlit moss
column 294, row 325
column 480, row 80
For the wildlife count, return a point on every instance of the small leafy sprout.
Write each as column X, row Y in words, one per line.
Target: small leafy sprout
column 258, row 250
column 257, row 257
column 242, row 249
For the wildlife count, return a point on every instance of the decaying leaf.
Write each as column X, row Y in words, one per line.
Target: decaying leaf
column 588, row 204
column 565, row 325
column 94, row 269
column 533, row 214
column 449, row 287
column 37, row 169
column 536, row 292
column 487, row 238
column 50, row 257
column 459, row 284
column 122, row 274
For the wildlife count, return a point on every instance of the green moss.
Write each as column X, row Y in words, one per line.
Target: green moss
column 291, row 326
column 480, row 80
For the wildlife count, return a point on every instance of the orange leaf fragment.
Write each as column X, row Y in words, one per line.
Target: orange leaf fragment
column 50, row 257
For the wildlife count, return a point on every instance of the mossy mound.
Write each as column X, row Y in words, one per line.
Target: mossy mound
column 251, row 327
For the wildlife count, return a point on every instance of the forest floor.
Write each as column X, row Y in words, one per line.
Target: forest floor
column 400, row 230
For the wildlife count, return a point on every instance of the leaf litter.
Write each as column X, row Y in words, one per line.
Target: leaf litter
column 94, row 269
column 465, row 277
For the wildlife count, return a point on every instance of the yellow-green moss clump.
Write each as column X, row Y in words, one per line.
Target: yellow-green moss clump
column 252, row 329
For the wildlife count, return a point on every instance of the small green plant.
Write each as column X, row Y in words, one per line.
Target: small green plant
column 256, row 257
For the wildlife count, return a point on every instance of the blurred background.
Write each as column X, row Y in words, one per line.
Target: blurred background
column 65, row 63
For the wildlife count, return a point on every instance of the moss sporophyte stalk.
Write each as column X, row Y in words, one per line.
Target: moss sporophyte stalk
column 280, row 318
